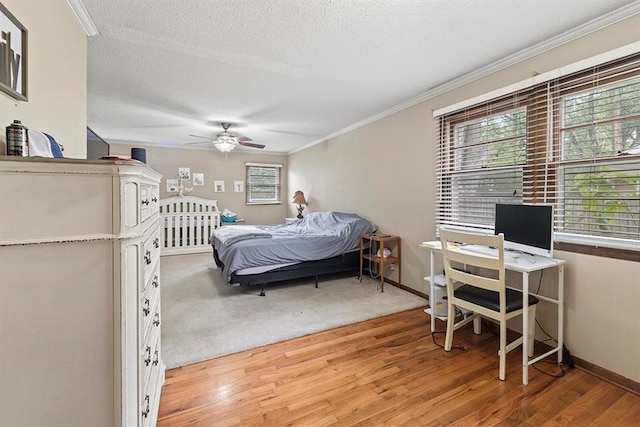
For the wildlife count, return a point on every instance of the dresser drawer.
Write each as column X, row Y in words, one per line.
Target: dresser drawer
column 149, row 313
column 150, row 251
column 149, row 201
column 153, row 280
column 149, row 358
column 150, row 391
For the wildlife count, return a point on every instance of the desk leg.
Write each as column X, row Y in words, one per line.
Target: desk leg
column 361, row 253
column 399, row 244
column 560, row 312
column 381, row 265
column 432, row 291
column 525, row 328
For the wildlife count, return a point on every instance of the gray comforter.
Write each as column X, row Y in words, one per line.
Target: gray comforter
column 318, row 235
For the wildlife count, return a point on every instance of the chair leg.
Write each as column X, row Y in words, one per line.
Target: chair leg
column 477, row 324
column 503, row 349
column 532, row 328
column 451, row 320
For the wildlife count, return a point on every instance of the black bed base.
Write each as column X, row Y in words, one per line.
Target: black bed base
column 345, row 263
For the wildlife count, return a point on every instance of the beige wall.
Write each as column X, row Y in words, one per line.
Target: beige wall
column 216, row 166
column 385, row 172
column 57, row 75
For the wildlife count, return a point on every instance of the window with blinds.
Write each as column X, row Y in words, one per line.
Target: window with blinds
column 263, row 183
column 573, row 142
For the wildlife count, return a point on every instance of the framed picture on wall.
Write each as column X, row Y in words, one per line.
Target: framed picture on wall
column 238, row 186
column 218, row 186
column 198, row 179
column 13, row 73
column 184, row 173
column 172, row 185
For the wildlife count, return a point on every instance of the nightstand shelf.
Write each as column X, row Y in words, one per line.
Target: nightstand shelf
column 377, row 245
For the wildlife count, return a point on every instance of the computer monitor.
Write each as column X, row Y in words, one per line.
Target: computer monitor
column 526, row 228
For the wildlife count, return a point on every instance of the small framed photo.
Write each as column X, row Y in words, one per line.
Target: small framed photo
column 172, row 185
column 218, row 186
column 184, row 173
column 13, row 73
column 238, row 186
column 198, row 179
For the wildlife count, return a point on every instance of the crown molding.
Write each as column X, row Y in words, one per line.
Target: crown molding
column 82, row 16
column 594, row 25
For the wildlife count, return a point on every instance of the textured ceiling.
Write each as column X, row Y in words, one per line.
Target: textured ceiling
column 289, row 73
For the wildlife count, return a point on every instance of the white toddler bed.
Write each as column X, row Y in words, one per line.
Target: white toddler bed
column 187, row 223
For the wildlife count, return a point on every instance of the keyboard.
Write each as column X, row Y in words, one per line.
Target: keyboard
column 489, row 251
column 484, row 250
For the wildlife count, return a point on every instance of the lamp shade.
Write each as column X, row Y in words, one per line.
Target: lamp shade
column 298, row 198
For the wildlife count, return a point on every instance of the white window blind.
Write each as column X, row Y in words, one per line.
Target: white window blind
column 263, row 183
column 573, row 142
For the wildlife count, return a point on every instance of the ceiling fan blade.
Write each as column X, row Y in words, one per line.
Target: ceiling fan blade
column 244, row 138
column 199, row 142
column 199, row 136
column 251, row 144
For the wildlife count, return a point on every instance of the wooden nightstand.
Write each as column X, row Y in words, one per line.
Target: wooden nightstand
column 379, row 243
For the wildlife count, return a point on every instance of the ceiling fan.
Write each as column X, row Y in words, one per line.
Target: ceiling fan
column 225, row 141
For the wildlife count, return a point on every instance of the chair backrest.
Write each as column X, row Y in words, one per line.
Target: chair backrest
column 474, row 269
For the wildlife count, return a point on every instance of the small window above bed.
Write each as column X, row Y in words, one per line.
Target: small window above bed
column 263, row 184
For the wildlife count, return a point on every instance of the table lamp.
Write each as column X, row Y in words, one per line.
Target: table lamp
column 298, row 198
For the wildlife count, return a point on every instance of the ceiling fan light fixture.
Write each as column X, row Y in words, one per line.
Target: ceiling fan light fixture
column 225, row 143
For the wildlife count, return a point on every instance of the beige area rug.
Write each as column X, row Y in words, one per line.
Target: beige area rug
column 203, row 317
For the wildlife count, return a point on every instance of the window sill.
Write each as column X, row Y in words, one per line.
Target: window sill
column 263, row 203
column 624, row 254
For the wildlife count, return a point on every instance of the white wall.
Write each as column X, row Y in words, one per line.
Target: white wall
column 57, row 75
column 385, row 172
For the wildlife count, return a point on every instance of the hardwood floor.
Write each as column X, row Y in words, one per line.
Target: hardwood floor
column 386, row 371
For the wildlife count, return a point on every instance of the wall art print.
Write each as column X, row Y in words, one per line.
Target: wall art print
column 13, row 55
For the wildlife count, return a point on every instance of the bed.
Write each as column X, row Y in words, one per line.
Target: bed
column 320, row 243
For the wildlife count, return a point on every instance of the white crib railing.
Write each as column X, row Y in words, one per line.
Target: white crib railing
column 187, row 223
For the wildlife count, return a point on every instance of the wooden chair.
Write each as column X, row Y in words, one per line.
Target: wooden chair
column 483, row 290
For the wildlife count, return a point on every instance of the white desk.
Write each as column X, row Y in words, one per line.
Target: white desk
column 524, row 265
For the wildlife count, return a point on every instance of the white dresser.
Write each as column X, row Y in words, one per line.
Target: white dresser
column 79, row 293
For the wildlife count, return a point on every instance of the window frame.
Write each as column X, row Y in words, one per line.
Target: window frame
column 544, row 169
column 277, row 186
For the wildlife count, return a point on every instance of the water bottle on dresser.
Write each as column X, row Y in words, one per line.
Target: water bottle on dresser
column 17, row 139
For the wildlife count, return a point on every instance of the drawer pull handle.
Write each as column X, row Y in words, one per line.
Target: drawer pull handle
column 155, row 283
column 146, row 308
column 156, row 242
column 155, row 199
column 147, row 409
column 156, row 319
column 145, row 202
column 147, row 257
column 156, row 358
column 147, row 359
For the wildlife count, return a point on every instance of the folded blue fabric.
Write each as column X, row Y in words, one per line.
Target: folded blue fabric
column 55, row 147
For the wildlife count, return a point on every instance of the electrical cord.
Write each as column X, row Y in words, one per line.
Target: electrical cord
column 537, row 322
column 566, row 354
column 550, row 338
column 490, row 328
column 560, row 375
column 433, row 334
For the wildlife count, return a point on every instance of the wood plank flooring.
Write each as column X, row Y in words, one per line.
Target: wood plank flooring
column 386, row 371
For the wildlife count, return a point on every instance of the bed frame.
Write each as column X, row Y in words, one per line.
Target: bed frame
column 187, row 223
column 345, row 263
